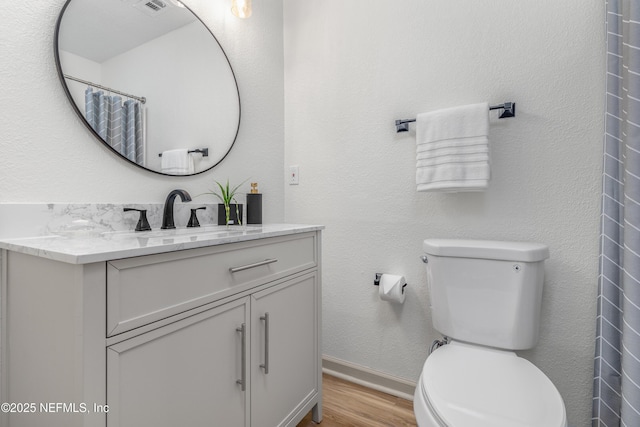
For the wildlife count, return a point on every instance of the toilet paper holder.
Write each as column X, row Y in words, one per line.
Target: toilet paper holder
column 376, row 281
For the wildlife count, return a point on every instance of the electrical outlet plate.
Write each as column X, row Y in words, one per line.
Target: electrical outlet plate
column 294, row 175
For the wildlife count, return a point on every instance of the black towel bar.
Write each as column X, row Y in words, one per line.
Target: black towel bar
column 508, row 107
column 204, row 151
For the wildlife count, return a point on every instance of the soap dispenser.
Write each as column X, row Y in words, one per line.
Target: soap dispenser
column 254, row 205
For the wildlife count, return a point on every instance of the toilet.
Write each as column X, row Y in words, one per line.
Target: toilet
column 485, row 299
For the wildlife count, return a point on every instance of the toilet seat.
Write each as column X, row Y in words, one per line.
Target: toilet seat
column 465, row 385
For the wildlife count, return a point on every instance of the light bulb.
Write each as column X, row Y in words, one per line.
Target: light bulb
column 241, row 8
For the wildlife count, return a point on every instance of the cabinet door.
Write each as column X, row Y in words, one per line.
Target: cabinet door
column 184, row 374
column 285, row 350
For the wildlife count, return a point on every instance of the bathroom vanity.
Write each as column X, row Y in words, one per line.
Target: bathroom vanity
column 215, row 327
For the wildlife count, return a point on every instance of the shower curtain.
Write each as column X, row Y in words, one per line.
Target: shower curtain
column 120, row 124
column 616, row 386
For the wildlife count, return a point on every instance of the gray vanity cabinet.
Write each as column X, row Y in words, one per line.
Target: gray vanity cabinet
column 284, row 361
column 183, row 374
column 223, row 335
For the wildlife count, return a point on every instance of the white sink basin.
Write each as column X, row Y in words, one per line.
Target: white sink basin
column 195, row 233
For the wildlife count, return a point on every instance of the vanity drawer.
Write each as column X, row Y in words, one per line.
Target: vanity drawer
column 149, row 288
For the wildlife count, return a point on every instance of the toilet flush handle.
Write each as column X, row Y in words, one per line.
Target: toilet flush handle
column 424, row 259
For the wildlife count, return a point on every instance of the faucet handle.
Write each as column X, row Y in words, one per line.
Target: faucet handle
column 193, row 221
column 143, row 224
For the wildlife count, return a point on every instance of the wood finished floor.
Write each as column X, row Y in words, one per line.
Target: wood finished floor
column 346, row 404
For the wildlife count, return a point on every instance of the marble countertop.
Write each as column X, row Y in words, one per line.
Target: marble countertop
column 83, row 247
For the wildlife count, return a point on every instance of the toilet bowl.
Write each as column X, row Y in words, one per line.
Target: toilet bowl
column 486, row 298
column 465, row 385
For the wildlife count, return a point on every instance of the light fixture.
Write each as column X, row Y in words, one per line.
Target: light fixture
column 241, row 8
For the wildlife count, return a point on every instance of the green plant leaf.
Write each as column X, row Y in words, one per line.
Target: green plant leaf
column 226, row 194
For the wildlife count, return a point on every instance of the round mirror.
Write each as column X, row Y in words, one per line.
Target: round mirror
column 150, row 81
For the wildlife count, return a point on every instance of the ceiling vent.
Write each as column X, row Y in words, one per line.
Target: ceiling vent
column 155, row 5
column 151, row 7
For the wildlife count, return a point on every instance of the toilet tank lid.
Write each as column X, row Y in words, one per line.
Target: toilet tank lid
column 487, row 249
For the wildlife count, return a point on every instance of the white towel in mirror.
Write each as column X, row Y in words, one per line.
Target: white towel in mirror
column 177, row 162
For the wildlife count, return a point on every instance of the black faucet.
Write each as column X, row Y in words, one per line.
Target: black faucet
column 143, row 223
column 167, row 216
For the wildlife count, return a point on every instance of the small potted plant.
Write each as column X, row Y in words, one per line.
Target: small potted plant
column 229, row 211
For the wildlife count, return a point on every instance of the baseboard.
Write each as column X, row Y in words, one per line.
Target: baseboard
column 367, row 377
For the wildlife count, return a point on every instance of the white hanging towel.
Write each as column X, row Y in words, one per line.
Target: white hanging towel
column 177, row 162
column 452, row 151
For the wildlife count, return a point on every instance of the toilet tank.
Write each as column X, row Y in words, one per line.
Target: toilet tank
column 486, row 292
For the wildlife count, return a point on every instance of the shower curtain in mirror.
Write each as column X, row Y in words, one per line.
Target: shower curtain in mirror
column 616, row 386
column 120, row 124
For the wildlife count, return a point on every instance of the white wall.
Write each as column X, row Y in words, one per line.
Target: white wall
column 352, row 68
column 49, row 156
column 196, row 108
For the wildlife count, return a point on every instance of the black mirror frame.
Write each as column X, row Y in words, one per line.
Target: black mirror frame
column 95, row 134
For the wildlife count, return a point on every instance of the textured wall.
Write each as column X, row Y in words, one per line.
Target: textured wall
column 352, row 68
column 49, row 156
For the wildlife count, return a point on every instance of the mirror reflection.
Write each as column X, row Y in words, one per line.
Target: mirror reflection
column 150, row 81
